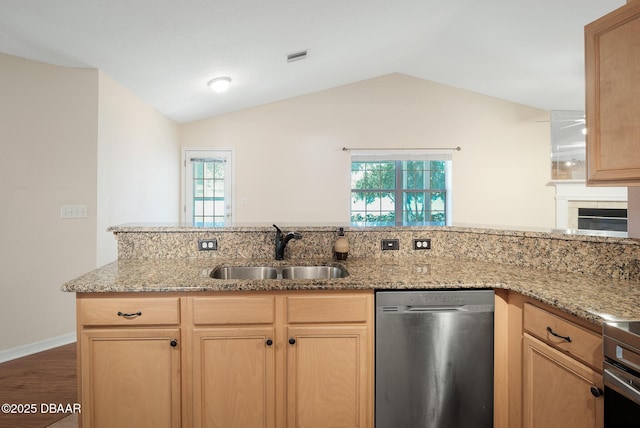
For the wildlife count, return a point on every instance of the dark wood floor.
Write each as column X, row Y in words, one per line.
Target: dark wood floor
column 42, row 378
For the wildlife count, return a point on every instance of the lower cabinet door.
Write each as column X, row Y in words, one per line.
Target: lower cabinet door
column 327, row 377
column 234, row 377
column 558, row 389
column 130, row 378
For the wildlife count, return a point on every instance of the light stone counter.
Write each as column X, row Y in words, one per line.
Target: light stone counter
column 608, row 257
column 590, row 297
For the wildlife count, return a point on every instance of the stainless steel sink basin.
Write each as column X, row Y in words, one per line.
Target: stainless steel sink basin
column 245, row 272
column 313, row 272
column 279, row 272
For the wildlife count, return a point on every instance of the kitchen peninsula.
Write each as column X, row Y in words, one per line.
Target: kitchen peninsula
column 578, row 281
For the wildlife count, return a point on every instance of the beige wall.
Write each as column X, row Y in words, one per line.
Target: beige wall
column 48, row 132
column 290, row 167
column 138, row 164
column 71, row 137
column 76, row 137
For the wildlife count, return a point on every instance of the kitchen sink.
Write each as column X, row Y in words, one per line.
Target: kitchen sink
column 279, row 272
column 244, row 272
column 313, row 272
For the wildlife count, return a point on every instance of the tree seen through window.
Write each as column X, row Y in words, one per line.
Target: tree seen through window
column 398, row 193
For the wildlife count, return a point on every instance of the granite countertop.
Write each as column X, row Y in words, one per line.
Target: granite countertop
column 563, row 234
column 592, row 298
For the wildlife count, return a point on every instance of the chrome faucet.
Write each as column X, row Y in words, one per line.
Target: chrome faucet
column 281, row 242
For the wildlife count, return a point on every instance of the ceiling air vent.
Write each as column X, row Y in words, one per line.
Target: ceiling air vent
column 297, row 56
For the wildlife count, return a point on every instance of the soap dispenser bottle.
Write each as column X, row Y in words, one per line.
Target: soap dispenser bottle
column 341, row 247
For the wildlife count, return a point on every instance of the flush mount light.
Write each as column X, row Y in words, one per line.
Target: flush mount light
column 219, row 84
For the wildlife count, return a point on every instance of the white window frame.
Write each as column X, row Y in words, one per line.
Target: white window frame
column 380, row 155
column 186, row 212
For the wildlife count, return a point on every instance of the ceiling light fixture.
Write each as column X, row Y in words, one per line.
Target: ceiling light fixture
column 219, row 84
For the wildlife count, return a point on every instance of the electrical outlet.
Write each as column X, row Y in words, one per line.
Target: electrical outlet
column 422, row 244
column 207, row 244
column 390, row 244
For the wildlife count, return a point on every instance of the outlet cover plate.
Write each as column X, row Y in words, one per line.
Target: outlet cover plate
column 422, row 244
column 207, row 244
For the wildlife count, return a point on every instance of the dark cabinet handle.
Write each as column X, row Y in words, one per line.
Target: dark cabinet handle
column 173, row 343
column 596, row 392
column 553, row 333
column 126, row 315
column 269, row 342
column 292, row 341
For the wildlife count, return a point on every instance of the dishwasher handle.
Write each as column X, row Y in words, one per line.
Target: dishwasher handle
column 434, row 302
column 434, row 308
column 419, row 308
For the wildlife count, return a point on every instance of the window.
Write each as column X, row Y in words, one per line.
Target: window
column 207, row 194
column 568, row 147
column 414, row 191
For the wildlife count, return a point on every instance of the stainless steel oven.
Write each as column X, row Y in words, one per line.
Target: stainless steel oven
column 622, row 374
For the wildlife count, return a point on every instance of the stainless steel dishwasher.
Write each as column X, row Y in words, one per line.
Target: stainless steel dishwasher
column 434, row 359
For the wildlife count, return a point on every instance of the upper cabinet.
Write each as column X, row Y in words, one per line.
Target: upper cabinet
column 612, row 48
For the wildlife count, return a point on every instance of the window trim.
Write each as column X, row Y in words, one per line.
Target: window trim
column 382, row 155
column 188, row 153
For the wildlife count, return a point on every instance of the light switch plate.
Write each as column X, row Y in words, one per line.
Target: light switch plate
column 390, row 244
column 73, row 211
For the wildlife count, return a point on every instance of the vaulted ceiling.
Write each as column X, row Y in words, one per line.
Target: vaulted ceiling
column 165, row 51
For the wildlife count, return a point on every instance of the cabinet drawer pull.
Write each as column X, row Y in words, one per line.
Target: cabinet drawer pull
column 133, row 315
column 269, row 342
column 173, row 343
column 292, row 341
column 596, row 392
column 553, row 333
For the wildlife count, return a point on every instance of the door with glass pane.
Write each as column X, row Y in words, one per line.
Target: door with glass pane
column 207, row 194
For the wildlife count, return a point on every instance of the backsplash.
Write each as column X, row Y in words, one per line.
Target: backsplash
column 617, row 258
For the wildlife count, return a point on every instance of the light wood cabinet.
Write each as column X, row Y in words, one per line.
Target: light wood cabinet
column 548, row 377
column 233, row 361
column 578, row 342
column 561, row 371
column 612, row 59
column 287, row 359
column 226, row 359
column 329, row 360
column 234, row 377
column 327, row 377
column 558, row 389
column 130, row 373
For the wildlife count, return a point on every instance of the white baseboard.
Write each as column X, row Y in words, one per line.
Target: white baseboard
column 39, row 346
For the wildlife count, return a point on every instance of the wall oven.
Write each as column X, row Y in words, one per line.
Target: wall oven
column 621, row 374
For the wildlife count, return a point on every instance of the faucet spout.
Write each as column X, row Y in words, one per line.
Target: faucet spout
column 282, row 241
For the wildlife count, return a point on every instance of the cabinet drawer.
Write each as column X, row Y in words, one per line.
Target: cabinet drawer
column 129, row 311
column 584, row 344
column 332, row 309
column 233, row 310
